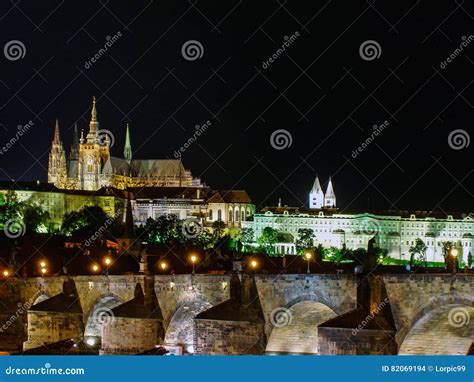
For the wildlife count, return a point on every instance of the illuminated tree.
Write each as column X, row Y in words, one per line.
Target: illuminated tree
column 218, row 228
column 88, row 221
column 10, row 207
column 305, row 240
column 418, row 252
column 268, row 239
column 35, row 218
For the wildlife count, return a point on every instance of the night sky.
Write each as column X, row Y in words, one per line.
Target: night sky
column 320, row 90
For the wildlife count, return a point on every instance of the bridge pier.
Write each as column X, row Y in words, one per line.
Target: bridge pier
column 234, row 327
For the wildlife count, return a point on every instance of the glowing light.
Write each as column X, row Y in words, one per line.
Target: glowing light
column 193, row 258
column 43, row 271
column 454, row 252
column 95, row 267
column 43, row 264
column 6, row 273
column 307, row 255
column 253, row 264
column 90, row 342
column 163, row 265
column 107, row 261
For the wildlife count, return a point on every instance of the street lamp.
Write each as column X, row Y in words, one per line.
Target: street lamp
column 193, row 261
column 107, row 262
column 6, row 273
column 454, row 252
column 307, row 256
column 43, row 271
column 43, row 264
column 163, row 265
column 95, row 268
column 253, row 264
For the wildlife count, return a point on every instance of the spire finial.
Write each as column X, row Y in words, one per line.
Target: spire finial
column 127, row 149
column 56, row 139
column 94, row 123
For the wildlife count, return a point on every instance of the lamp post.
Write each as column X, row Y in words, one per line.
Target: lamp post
column 107, row 262
column 193, row 261
column 307, row 256
column 95, row 268
column 6, row 273
column 42, row 267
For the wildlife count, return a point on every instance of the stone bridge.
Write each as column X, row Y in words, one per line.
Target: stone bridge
column 197, row 312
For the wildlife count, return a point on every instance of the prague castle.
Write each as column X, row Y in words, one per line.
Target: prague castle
column 90, row 166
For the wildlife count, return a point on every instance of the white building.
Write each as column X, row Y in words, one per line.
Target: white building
column 230, row 206
column 395, row 231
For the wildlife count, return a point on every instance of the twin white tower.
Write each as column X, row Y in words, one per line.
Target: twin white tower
column 318, row 199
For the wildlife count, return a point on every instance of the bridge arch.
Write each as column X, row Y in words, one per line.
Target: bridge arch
column 295, row 326
column 101, row 314
column 180, row 330
column 443, row 326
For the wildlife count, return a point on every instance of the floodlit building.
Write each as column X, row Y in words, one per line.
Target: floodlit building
column 396, row 231
column 91, row 167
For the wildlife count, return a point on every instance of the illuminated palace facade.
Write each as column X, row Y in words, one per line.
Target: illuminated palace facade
column 90, row 166
column 395, row 231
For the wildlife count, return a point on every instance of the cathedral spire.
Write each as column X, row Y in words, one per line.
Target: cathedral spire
column 56, row 139
column 316, row 195
column 316, row 185
column 127, row 150
column 94, row 123
column 330, row 197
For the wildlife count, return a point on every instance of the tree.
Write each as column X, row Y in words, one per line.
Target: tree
column 305, row 240
column 10, row 207
column 35, row 218
column 247, row 234
column 267, row 240
column 88, row 221
column 418, row 252
column 218, row 228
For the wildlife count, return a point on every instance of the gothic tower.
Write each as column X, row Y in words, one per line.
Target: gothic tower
column 127, row 150
column 91, row 153
column 330, row 197
column 57, row 160
column 316, row 195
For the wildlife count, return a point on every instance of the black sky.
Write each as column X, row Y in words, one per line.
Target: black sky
column 319, row 89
